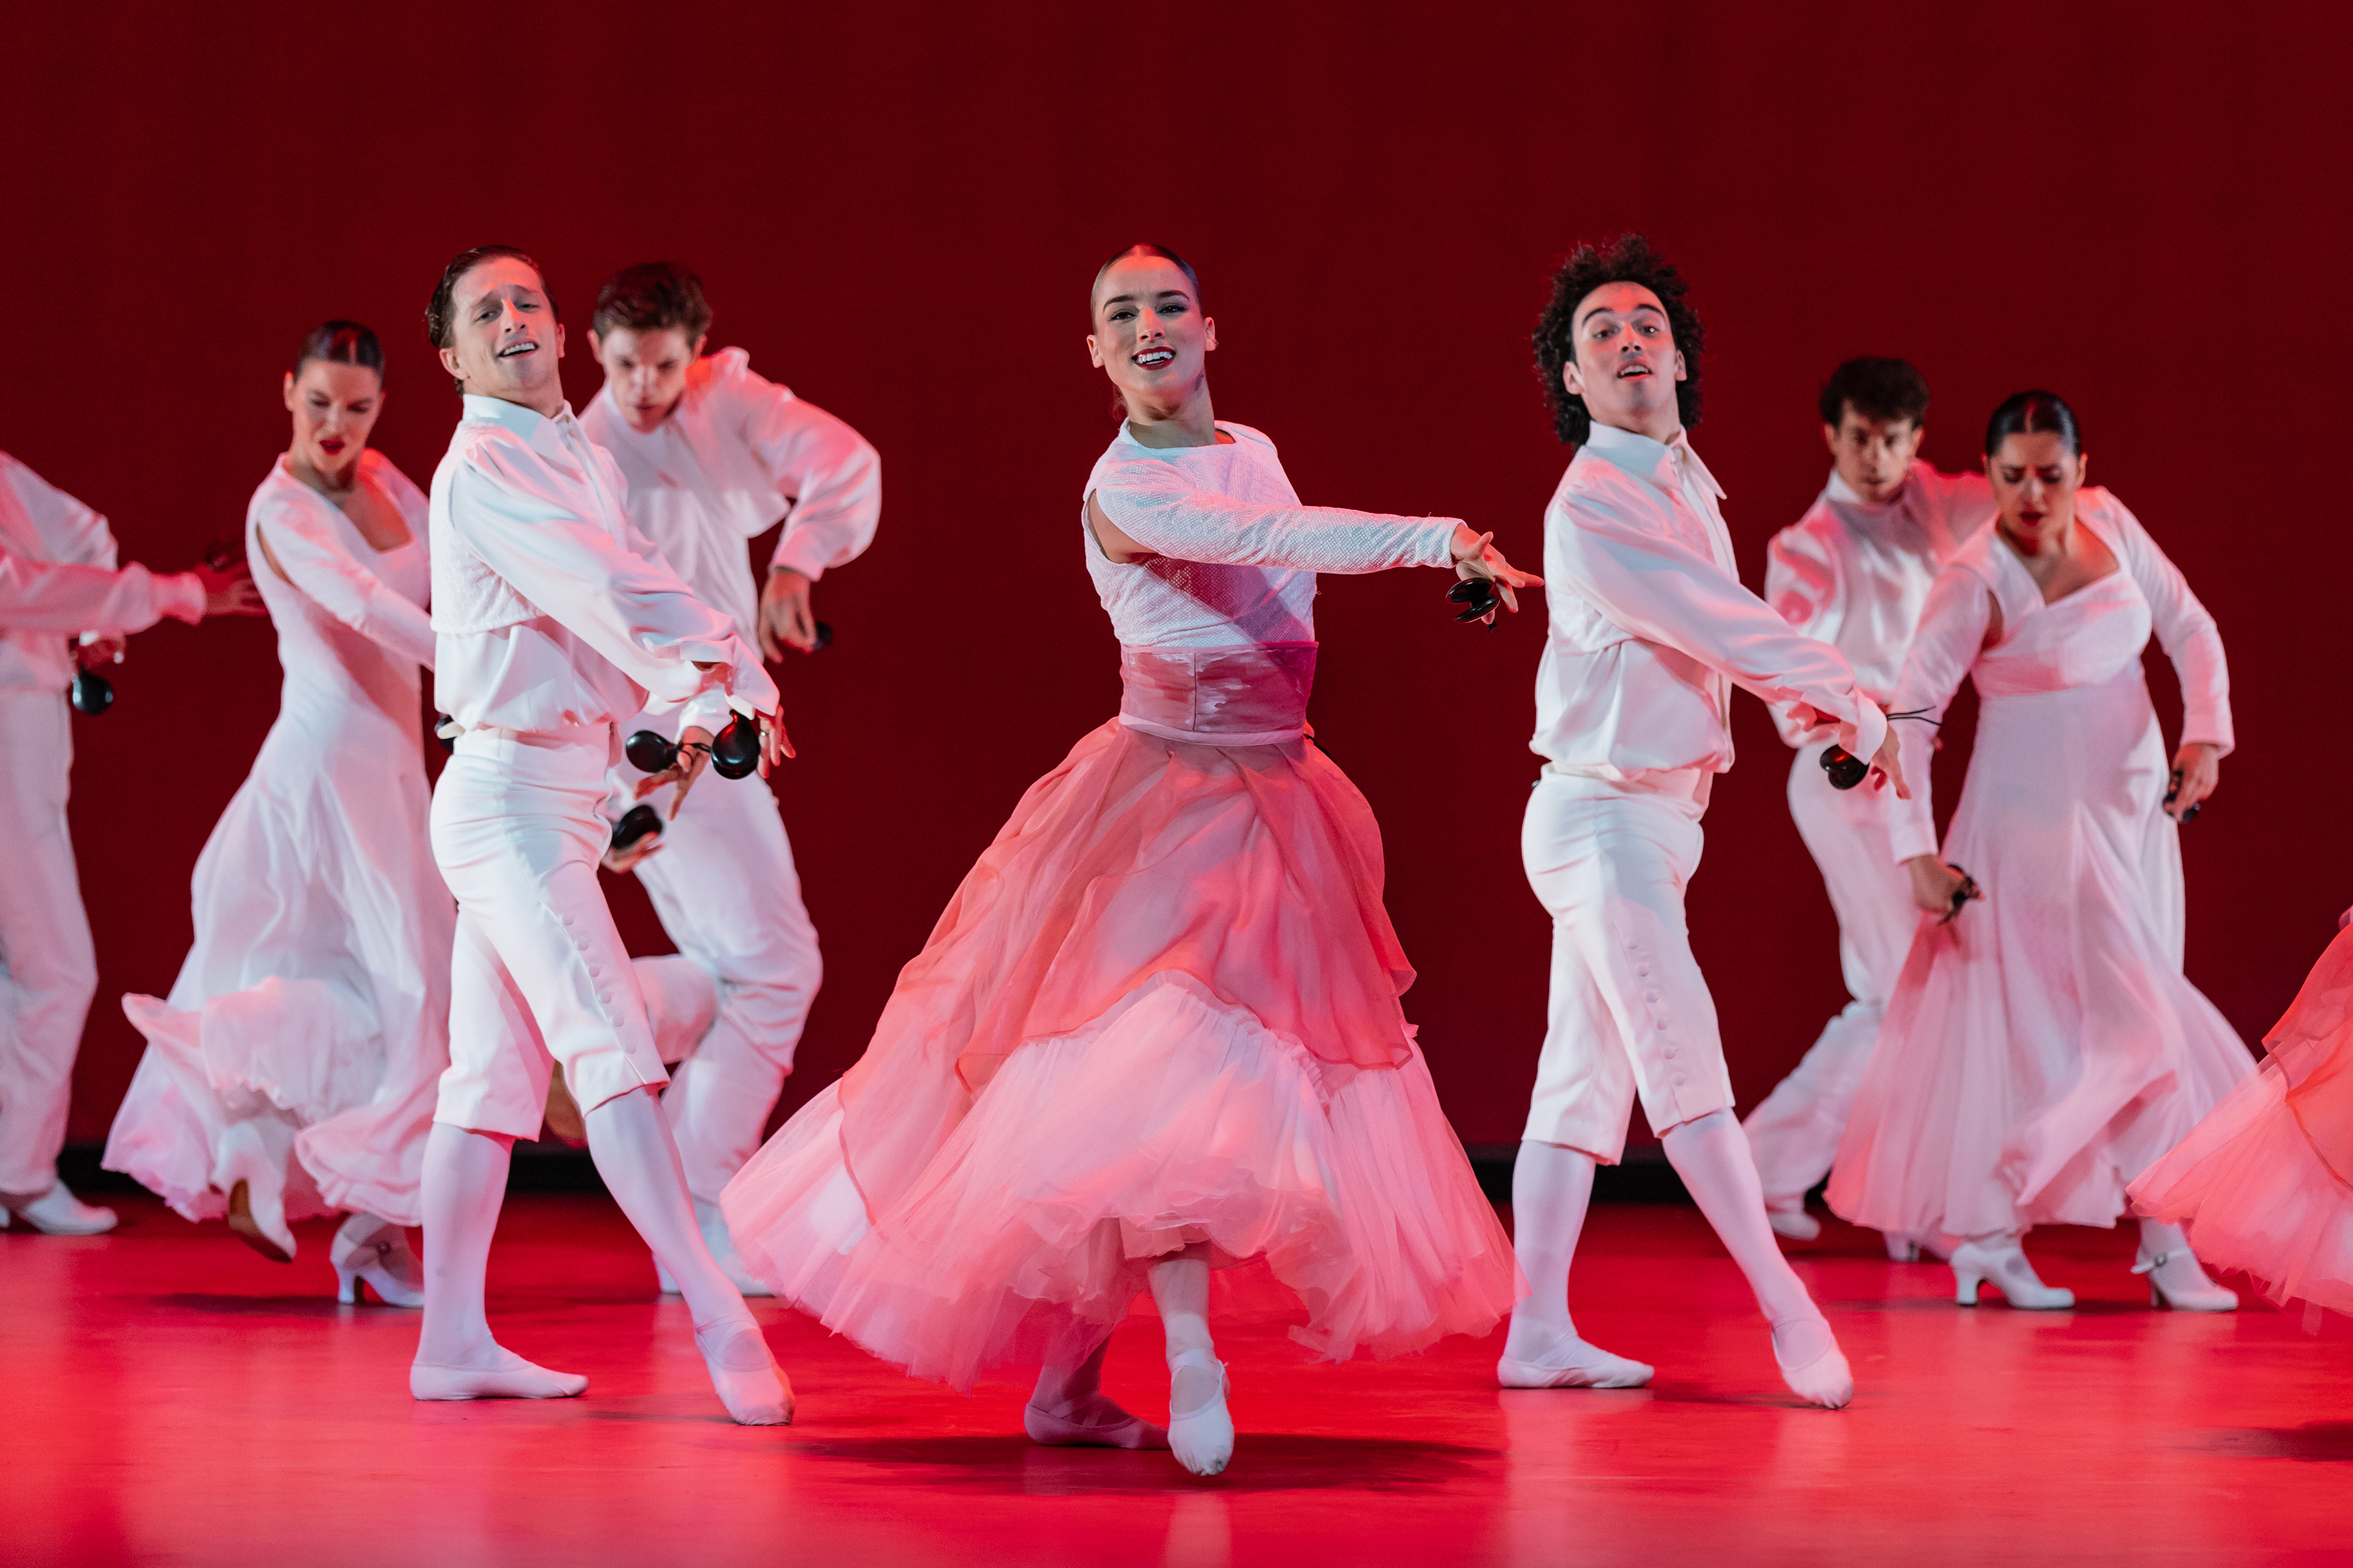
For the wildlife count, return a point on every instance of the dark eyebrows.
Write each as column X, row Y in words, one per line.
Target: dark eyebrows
column 1637, row 310
column 1157, row 295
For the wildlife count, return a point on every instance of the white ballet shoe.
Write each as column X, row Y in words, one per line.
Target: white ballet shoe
column 58, row 1213
column 1094, row 1422
column 1574, row 1364
column 1202, row 1438
column 749, row 1382
column 1821, row 1375
column 1793, row 1222
column 378, row 1253
column 2177, row 1281
column 2003, row 1265
column 502, row 1375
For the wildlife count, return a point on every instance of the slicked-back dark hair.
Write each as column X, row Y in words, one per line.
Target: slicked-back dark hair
column 342, row 343
column 2033, row 413
column 651, row 297
column 1143, row 248
column 1627, row 258
column 440, row 311
column 1883, row 389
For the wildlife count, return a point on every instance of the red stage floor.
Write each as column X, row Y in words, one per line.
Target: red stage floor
column 172, row 1398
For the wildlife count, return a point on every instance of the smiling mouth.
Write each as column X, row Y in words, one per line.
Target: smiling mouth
column 1631, row 371
column 518, row 350
column 1153, row 359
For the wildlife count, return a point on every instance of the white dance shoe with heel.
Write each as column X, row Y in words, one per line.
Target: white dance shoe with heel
column 2177, row 1281
column 2002, row 1263
column 375, row 1250
column 256, row 1186
column 1202, row 1437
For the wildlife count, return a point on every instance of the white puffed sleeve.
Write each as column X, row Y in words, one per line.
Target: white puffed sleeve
column 1952, row 629
column 2184, row 628
column 312, row 558
column 1662, row 591
column 833, row 474
column 42, row 596
column 1154, row 504
column 624, row 602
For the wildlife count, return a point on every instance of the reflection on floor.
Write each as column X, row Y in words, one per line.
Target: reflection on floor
column 173, row 1398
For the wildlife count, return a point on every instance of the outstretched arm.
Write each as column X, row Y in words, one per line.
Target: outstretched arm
column 1150, row 505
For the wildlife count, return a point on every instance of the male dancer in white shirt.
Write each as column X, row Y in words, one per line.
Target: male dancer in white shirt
column 555, row 620
column 714, row 455
column 1648, row 630
column 1854, row 572
column 58, row 585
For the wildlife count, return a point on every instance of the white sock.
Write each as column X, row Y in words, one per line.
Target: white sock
column 465, row 1181
column 1552, row 1187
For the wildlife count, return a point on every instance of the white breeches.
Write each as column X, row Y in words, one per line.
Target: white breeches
column 1630, row 1013
column 725, row 887
column 1794, row 1131
column 539, row 972
column 49, row 971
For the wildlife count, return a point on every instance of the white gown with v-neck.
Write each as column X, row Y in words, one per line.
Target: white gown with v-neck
column 316, row 994
column 2044, row 1048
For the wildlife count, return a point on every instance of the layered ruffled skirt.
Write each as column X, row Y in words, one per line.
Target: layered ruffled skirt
column 2264, row 1184
column 1161, row 1011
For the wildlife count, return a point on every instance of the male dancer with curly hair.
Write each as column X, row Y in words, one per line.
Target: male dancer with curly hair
column 1854, row 572
column 1648, row 630
column 714, row 453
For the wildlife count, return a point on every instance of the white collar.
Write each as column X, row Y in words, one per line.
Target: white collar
column 1660, row 462
column 544, row 434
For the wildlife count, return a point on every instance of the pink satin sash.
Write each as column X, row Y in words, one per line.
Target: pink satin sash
column 1252, row 695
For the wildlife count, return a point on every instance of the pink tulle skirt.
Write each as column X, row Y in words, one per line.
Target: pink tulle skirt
column 1160, row 1011
column 2264, row 1184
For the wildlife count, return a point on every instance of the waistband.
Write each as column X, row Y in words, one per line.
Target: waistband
column 1252, row 694
column 490, row 741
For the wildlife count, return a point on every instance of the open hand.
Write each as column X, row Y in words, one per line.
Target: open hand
column 1887, row 768
column 230, row 591
column 1475, row 555
column 774, row 744
column 694, row 755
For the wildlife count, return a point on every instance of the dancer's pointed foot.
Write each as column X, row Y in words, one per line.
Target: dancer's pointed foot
column 1788, row 1216
column 1571, row 1363
column 376, row 1250
column 494, row 1372
column 1091, row 1422
column 749, row 1382
column 58, row 1213
column 1200, row 1428
column 1811, row 1363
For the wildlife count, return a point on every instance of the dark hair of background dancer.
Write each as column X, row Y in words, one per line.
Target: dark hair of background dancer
column 2033, row 413
column 1627, row 258
column 652, row 297
column 439, row 326
column 342, row 343
column 1887, row 390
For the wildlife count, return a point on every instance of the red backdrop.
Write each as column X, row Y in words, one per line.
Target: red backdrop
column 897, row 212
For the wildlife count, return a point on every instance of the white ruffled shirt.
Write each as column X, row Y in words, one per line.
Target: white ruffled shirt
column 1649, row 628
column 550, row 611
column 738, row 452
column 59, row 581
column 1236, row 553
column 1855, row 573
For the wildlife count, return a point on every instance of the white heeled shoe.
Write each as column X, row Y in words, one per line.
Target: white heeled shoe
column 58, row 1213
column 2004, row 1266
column 378, row 1254
column 1201, row 1438
column 2188, row 1290
column 1792, row 1221
column 256, row 1186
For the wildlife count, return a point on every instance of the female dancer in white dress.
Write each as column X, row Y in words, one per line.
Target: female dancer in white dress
column 292, row 1071
column 2042, row 1048
column 1157, row 1030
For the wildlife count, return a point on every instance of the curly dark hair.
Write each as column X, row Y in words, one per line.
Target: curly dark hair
column 1627, row 258
column 1883, row 389
column 652, row 295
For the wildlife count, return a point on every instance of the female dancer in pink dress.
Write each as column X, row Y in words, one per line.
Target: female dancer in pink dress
column 292, row 1071
column 1157, row 1031
column 2044, row 1048
column 2266, row 1183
